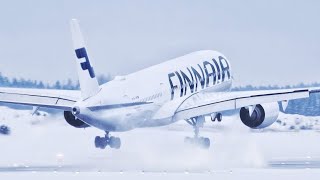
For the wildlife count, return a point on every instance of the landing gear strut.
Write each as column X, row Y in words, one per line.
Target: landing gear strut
column 103, row 142
column 196, row 123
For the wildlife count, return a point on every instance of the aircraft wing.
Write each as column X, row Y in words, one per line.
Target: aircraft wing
column 57, row 99
column 205, row 103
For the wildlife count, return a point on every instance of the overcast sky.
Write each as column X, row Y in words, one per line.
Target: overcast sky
column 267, row 42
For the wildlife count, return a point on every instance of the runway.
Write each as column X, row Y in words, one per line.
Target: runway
column 248, row 174
column 47, row 147
column 308, row 163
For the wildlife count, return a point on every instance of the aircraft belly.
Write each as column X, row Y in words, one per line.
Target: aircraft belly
column 123, row 119
column 157, row 122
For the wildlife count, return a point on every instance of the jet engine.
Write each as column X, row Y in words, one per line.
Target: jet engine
column 262, row 116
column 73, row 121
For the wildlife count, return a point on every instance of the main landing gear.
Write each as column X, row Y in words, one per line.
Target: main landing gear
column 202, row 142
column 103, row 142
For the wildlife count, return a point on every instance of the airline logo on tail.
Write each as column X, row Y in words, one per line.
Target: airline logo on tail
column 82, row 53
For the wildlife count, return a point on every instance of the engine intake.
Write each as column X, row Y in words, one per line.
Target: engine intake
column 263, row 115
column 73, row 121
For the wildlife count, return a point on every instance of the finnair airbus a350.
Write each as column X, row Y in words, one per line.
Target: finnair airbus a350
column 186, row 88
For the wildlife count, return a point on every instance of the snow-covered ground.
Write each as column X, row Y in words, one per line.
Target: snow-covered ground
column 45, row 146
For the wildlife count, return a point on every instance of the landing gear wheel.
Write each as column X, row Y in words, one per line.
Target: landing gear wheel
column 96, row 141
column 200, row 142
column 114, row 142
column 219, row 117
column 99, row 142
column 204, row 143
column 103, row 142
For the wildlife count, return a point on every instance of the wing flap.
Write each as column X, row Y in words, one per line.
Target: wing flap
column 58, row 99
column 207, row 103
column 205, row 109
column 267, row 98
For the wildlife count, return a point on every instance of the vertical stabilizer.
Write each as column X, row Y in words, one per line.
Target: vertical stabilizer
column 88, row 82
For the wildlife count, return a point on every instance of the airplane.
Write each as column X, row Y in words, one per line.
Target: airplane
column 189, row 88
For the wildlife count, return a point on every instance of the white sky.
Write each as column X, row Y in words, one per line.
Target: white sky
column 267, row 41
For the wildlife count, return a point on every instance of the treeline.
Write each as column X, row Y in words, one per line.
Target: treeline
column 270, row 87
column 27, row 83
column 308, row 106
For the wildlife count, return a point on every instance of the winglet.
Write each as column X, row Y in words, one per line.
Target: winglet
column 88, row 82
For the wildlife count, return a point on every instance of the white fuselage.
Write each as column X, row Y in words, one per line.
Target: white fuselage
column 131, row 101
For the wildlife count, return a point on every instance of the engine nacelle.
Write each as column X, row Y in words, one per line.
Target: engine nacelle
column 263, row 115
column 73, row 121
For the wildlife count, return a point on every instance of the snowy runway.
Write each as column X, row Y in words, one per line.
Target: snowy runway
column 45, row 146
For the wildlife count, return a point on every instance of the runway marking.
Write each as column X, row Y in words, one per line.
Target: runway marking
column 295, row 164
column 83, row 169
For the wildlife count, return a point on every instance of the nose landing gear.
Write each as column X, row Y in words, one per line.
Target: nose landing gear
column 202, row 142
column 103, row 142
